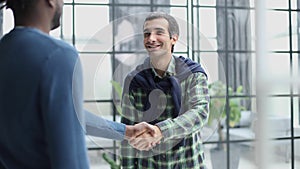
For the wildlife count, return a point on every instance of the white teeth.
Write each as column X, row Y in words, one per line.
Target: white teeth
column 153, row 46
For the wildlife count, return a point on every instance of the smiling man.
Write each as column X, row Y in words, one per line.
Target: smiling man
column 169, row 92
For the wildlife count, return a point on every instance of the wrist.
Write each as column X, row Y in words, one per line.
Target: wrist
column 128, row 132
column 158, row 131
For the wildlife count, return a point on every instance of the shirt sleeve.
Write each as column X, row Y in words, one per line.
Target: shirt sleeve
column 99, row 127
column 196, row 104
column 61, row 107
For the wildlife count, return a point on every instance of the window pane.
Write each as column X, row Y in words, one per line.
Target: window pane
column 295, row 31
column 93, row 1
column 296, row 110
column 133, row 2
column 8, row 21
column 204, row 30
column 178, row 2
column 244, row 127
column 205, row 2
column 247, row 155
column 252, row 22
column 91, row 24
column 279, row 67
column 281, row 154
column 209, row 61
column 278, row 30
column 180, row 15
column 207, row 18
column 240, row 157
column 297, row 152
column 277, row 4
column 294, row 4
column 97, row 76
column 280, row 112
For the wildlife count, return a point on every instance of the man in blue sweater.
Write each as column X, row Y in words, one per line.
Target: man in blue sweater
column 42, row 121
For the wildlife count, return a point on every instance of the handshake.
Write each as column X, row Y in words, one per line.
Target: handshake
column 143, row 136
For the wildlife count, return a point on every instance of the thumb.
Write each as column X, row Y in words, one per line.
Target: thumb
column 145, row 127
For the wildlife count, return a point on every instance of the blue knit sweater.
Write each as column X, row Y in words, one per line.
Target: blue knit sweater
column 40, row 103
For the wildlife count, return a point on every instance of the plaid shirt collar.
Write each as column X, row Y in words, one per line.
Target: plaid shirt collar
column 170, row 71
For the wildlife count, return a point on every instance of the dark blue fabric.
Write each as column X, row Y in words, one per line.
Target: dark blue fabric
column 39, row 102
column 143, row 78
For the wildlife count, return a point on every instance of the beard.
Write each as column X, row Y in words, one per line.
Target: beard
column 57, row 17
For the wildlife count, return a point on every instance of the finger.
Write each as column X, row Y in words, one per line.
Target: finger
column 145, row 147
column 153, row 145
column 134, row 141
column 141, row 144
column 150, row 129
column 145, row 127
column 140, row 140
column 137, row 142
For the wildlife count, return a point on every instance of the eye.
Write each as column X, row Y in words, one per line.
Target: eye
column 160, row 32
column 146, row 34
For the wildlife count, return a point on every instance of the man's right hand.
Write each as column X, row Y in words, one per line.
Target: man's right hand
column 136, row 130
column 141, row 129
column 147, row 141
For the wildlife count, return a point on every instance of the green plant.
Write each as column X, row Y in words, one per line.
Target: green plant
column 118, row 88
column 113, row 164
column 217, row 113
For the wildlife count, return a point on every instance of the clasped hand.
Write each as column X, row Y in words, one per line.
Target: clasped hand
column 143, row 136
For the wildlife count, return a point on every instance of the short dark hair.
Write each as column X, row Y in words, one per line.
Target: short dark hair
column 19, row 6
column 1, row 2
column 173, row 25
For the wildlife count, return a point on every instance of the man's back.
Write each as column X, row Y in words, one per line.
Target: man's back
column 39, row 127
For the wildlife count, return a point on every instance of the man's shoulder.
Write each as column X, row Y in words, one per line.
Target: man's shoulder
column 145, row 65
column 42, row 42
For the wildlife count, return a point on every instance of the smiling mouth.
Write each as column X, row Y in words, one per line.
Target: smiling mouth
column 153, row 47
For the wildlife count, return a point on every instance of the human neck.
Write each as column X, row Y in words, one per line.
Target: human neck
column 161, row 64
column 33, row 21
column 41, row 27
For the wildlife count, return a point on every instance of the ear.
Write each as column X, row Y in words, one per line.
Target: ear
column 51, row 3
column 174, row 39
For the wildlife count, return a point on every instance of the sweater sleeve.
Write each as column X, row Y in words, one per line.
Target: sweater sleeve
column 61, row 107
column 195, row 117
column 99, row 127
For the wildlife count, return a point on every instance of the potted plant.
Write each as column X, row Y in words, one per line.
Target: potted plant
column 217, row 116
column 217, row 106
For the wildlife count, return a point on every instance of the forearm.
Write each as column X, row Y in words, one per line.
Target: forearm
column 100, row 127
column 196, row 111
column 181, row 126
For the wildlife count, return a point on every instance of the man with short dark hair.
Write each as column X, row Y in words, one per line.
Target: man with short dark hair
column 169, row 92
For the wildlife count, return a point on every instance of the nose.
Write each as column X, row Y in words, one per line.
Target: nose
column 152, row 37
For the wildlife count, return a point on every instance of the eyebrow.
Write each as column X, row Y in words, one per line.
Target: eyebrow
column 157, row 29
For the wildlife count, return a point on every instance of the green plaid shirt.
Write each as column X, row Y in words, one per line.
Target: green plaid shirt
column 181, row 146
